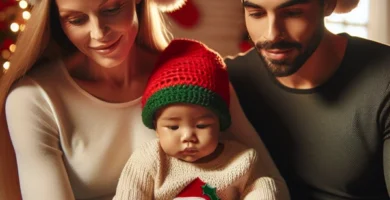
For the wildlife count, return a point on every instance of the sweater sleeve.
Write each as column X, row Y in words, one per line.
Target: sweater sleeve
column 35, row 138
column 136, row 180
column 242, row 130
column 260, row 187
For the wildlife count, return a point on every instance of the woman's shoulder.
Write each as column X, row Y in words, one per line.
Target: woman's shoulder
column 42, row 75
column 46, row 70
column 35, row 84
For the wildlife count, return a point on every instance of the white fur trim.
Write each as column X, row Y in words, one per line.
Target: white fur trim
column 169, row 5
column 345, row 6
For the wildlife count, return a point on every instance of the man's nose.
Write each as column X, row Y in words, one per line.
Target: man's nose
column 275, row 29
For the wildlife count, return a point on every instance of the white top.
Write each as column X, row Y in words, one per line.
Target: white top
column 71, row 145
column 151, row 174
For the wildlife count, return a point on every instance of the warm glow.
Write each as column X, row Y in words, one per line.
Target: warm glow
column 21, row 27
column 5, row 54
column 26, row 15
column 12, row 48
column 14, row 27
column 6, row 65
column 23, row 4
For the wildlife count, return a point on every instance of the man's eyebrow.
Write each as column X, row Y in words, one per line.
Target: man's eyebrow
column 248, row 4
column 292, row 3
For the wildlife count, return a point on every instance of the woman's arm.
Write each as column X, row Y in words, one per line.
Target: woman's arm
column 9, row 183
column 35, row 137
column 242, row 130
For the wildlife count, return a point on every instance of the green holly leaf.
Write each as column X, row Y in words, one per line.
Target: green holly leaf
column 210, row 191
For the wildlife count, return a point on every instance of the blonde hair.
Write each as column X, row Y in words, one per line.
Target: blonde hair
column 40, row 40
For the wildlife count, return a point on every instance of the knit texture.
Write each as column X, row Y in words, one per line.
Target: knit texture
column 188, row 72
column 150, row 174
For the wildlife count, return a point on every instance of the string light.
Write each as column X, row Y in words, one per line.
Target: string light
column 23, row 4
column 5, row 54
column 20, row 15
column 21, row 27
column 14, row 27
column 12, row 48
column 6, row 65
column 26, row 15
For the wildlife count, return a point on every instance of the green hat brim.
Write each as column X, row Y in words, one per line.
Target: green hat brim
column 186, row 94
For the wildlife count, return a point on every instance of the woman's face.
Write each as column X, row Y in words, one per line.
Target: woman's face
column 104, row 30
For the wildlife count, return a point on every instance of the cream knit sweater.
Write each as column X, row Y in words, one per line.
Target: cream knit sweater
column 150, row 174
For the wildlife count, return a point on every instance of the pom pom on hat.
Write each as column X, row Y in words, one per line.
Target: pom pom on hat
column 188, row 72
column 345, row 6
column 169, row 5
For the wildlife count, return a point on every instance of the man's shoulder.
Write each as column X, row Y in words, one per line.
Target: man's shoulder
column 240, row 59
column 368, row 49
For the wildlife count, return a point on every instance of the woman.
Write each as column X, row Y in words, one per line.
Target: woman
column 74, row 109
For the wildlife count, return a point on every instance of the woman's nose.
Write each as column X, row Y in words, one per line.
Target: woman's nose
column 98, row 29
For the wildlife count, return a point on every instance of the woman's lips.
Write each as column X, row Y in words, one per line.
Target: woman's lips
column 106, row 49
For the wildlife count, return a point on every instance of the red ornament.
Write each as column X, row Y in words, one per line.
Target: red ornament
column 3, row 26
column 187, row 16
column 6, row 3
column 6, row 43
column 245, row 46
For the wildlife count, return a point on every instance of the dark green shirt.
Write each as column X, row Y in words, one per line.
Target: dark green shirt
column 328, row 142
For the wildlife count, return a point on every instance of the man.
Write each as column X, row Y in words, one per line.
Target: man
column 320, row 101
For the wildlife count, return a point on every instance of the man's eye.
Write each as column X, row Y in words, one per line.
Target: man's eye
column 257, row 14
column 173, row 127
column 293, row 13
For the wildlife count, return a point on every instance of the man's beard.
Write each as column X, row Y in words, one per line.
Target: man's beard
column 282, row 68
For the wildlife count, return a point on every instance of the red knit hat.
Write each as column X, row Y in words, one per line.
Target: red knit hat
column 188, row 72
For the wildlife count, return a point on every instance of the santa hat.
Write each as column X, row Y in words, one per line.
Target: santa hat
column 188, row 72
column 345, row 6
column 169, row 5
column 163, row 5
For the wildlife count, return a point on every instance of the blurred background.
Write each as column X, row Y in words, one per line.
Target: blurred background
column 218, row 23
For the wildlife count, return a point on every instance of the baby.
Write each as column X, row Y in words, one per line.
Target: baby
column 186, row 101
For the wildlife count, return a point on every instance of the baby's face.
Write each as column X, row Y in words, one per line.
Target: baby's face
column 187, row 132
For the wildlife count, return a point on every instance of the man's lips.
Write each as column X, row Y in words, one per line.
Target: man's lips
column 277, row 54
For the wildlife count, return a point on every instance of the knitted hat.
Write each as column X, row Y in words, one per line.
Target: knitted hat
column 345, row 6
column 188, row 72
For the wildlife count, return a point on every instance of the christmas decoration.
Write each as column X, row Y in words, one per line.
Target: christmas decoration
column 13, row 15
column 187, row 16
column 169, row 5
column 246, row 43
column 198, row 190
